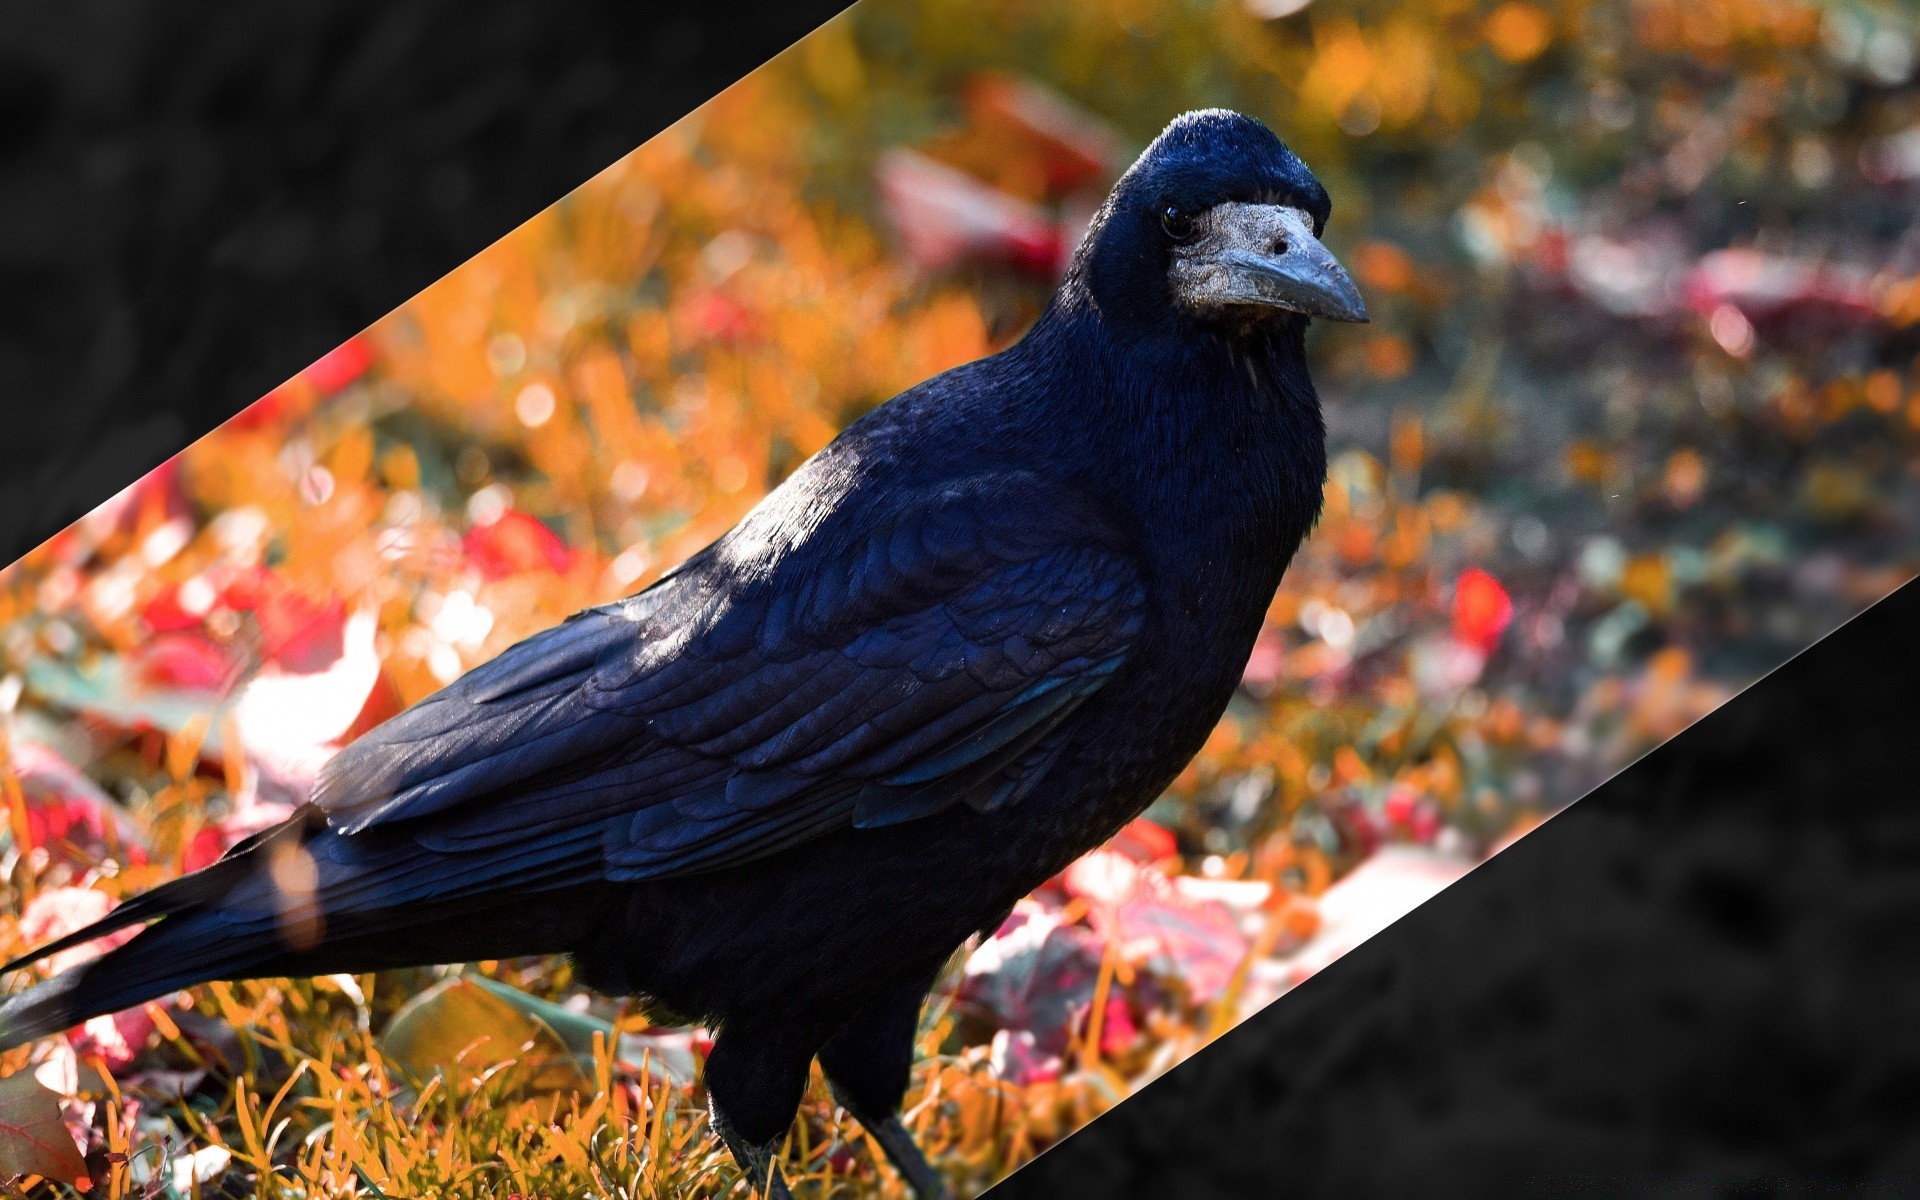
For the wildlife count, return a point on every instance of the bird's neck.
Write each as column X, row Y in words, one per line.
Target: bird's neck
column 1211, row 444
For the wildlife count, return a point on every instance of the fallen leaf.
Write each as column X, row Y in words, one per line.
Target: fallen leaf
column 1034, row 973
column 1197, row 942
column 67, row 812
column 514, row 543
column 461, row 1024
column 57, row 912
column 33, row 1138
column 1145, row 841
column 292, row 721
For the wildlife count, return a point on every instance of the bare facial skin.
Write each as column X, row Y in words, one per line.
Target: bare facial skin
column 1263, row 256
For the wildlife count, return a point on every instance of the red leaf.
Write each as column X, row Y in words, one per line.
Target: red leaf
column 945, row 215
column 205, row 849
column 248, row 590
column 1197, row 942
column 1075, row 146
column 116, row 1039
column 68, row 813
column 262, row 412
column 1398, row 807
column 299, row 634
column 186, row 660
column 1481, row 609
column 1776, row 289
column 1033, row 974
column 1118, row 1031
column 163, row 614
column 514, row 543
column 717, row 315
column 1143, row 841
column 340, row 366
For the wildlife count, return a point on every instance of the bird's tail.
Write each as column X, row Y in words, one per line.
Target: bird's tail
column 231, row 921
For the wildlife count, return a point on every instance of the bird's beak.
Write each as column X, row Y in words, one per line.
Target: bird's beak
column 1264, row 256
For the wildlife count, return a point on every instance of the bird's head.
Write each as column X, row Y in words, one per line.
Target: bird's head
column 1218, row 221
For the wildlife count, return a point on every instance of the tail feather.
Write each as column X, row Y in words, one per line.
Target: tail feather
column 203, row 888
column 386, row 903
column 120, row 979
column 185, row 949
column 167, row 898
column 39, row 1011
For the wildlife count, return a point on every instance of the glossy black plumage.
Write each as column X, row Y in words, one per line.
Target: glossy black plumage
column 959, row 647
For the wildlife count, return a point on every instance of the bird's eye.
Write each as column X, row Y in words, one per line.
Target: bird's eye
column 1177, row 221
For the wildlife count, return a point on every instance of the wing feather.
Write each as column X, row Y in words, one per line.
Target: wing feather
column 745, row 705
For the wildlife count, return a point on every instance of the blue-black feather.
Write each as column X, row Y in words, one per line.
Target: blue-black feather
column 957, row 648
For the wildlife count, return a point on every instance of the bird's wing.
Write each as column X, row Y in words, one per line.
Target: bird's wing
column 738, row 708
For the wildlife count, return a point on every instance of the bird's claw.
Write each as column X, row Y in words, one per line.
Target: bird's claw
column 775, row 1187
column 763, row 1172
column 761, row 1163
column 904, row 1153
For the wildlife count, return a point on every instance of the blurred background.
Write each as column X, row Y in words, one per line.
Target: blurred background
column 1633, row 423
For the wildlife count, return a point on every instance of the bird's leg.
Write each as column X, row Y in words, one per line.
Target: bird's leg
column 755, row 1081
column 868, row 1063
column 759, row 1162
column 901, row 1150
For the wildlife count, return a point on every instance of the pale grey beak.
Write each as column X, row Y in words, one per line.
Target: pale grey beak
column 1263, row 256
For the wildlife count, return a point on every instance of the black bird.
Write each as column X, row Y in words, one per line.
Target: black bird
column 959, row 647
